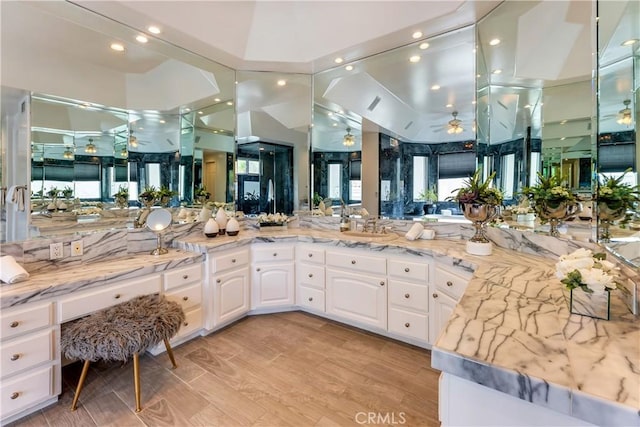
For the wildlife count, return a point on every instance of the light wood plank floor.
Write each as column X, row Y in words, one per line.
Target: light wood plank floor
column 286, row 369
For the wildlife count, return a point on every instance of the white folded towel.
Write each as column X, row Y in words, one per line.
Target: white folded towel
column 11, row 271
column 428, row 234
column 414, row 232
column 16, row 197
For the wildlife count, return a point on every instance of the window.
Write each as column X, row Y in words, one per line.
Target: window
column 453, row 170
column 248, row 167
column 508, row 175
column 420, row 175
column 153, row 174
column 355, row 182
column 335, row 180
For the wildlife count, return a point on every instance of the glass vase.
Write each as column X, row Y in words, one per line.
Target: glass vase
column 596, row 304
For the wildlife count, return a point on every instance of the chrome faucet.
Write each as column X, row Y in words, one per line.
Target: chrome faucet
column 370, row 221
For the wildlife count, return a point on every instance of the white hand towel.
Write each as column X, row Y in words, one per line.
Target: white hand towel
column 414, row 232
column 428, row 234
column 11, row 271
column 10, row 197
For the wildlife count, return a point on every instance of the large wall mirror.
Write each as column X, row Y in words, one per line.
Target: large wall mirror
column 618, row 101
column 102, row 119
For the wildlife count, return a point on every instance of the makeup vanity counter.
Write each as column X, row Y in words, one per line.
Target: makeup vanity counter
column 510, row 336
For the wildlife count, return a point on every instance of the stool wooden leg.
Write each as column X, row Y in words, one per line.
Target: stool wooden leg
column 136, row 380
column 83, row 376
column 170, row 353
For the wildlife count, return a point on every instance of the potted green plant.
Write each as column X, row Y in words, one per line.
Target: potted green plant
column 430, row 197
column 614, row 199
column 201, row 194
column 122, row 197
column 164, row 195
column 148, row 196
column 552, row 201
column 67, row 192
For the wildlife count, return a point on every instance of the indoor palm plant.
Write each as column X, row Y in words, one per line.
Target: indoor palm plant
column 614, row 199
column 122, row 197
column 429, row 196
column 552, row 201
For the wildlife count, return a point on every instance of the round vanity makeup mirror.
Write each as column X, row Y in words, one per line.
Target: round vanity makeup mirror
column 157, row 221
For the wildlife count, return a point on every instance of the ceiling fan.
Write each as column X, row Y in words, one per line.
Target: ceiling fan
column 454, row 126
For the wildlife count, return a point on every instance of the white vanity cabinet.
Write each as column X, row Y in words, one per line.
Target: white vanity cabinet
column 447, row 287
column 356, row 288
column 310, row 278
column 272, row 276
column 29, row 359
column 229, row 282
column 408, row 314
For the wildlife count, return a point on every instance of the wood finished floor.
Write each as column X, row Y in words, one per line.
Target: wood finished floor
column 286, row 369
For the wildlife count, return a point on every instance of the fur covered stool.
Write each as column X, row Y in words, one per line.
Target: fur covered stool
column 120, row 332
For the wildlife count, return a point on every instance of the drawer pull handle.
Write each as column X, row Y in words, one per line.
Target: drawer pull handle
column 233, row 260
column 353, row 261
column 310, row 255
column 449, row 283
column 117, row 296
column 407, row 296
column 186, row 323
column 406, row 325
column 218, row 281
column 435, row 295
column 185, row 298
column 310, row 299
column 382, row 283
column 310, row 275
column 275, row 254
column 15, row 395
column 407, row 269
column 258, row 269
column 186, row 276
column 15, row 357
column 14, row 324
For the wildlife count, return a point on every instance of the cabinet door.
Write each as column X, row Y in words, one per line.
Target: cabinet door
column 273, row 285
column 357, row 297
column 231, row 292
column 442, row 306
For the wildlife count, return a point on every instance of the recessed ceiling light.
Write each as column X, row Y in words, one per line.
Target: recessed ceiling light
column 187, row 109
column 527, row 106
column 142, row 39
column 229, row 103
column 563, row 122
column 449, row 105
column 282, row 82
column 563, row 138
column 415, row 58
column 417, row 34
column 153, row 29
column 117, row 47
column 424, row 45
column 340, row 111
column 496, row 71
column 200, row 112
column 473, row 102
column 330, row 113
column 215, row 131
column 629, row 42
column 162, row 121
column 494, row 42
column 349, row 67
column 335, row 124
column 217, row 99
column 338, row 60
column 435, row 87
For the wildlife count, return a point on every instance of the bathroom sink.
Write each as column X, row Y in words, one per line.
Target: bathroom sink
column 368, row 235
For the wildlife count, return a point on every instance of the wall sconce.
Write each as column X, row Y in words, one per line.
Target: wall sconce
column 454, row 125
column 90, row 148
column 624, row 115
column 158, row 221
column 348, row 140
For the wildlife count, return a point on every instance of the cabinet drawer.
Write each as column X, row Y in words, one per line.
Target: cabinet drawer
column 411, row 271
column 26, row 390
column 412, row 325
column 225, row 261
column 450, row 283
column 272, row 253
column 23, row 353
column 192, row 322
column 17, row 321
column 183, row 276
column 187, row 297
column 310, row 254
column 310, row 298
column 357, row 262
column 310, row 275
column 409, row 295
column 90, row 301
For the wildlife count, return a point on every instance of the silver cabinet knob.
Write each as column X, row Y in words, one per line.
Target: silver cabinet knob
column 435, row 295
column 310, row 298
column 218, row 281
column 407, row 269
column 407, row 296
column 406, row 325
column 14, row 324
column 449, row 283
column 353, row 261
column 258, row 269
column 185, row 298
column 117, row 296
column 382, row 283
column 15, row 357
column 233, row 261
column 15, row 395
column 275, row 254
column 310, row 275
column 310, row 255
column 186, row 323
column 185, row 276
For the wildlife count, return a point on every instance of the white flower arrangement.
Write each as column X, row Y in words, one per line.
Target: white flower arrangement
column 588, row 271
column 523, row 210
column 277, row 218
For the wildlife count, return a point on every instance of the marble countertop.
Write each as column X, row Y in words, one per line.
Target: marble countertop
column 58, row 282
column 511, row 330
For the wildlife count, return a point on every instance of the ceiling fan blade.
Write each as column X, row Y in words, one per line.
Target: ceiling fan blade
column 170, row 141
